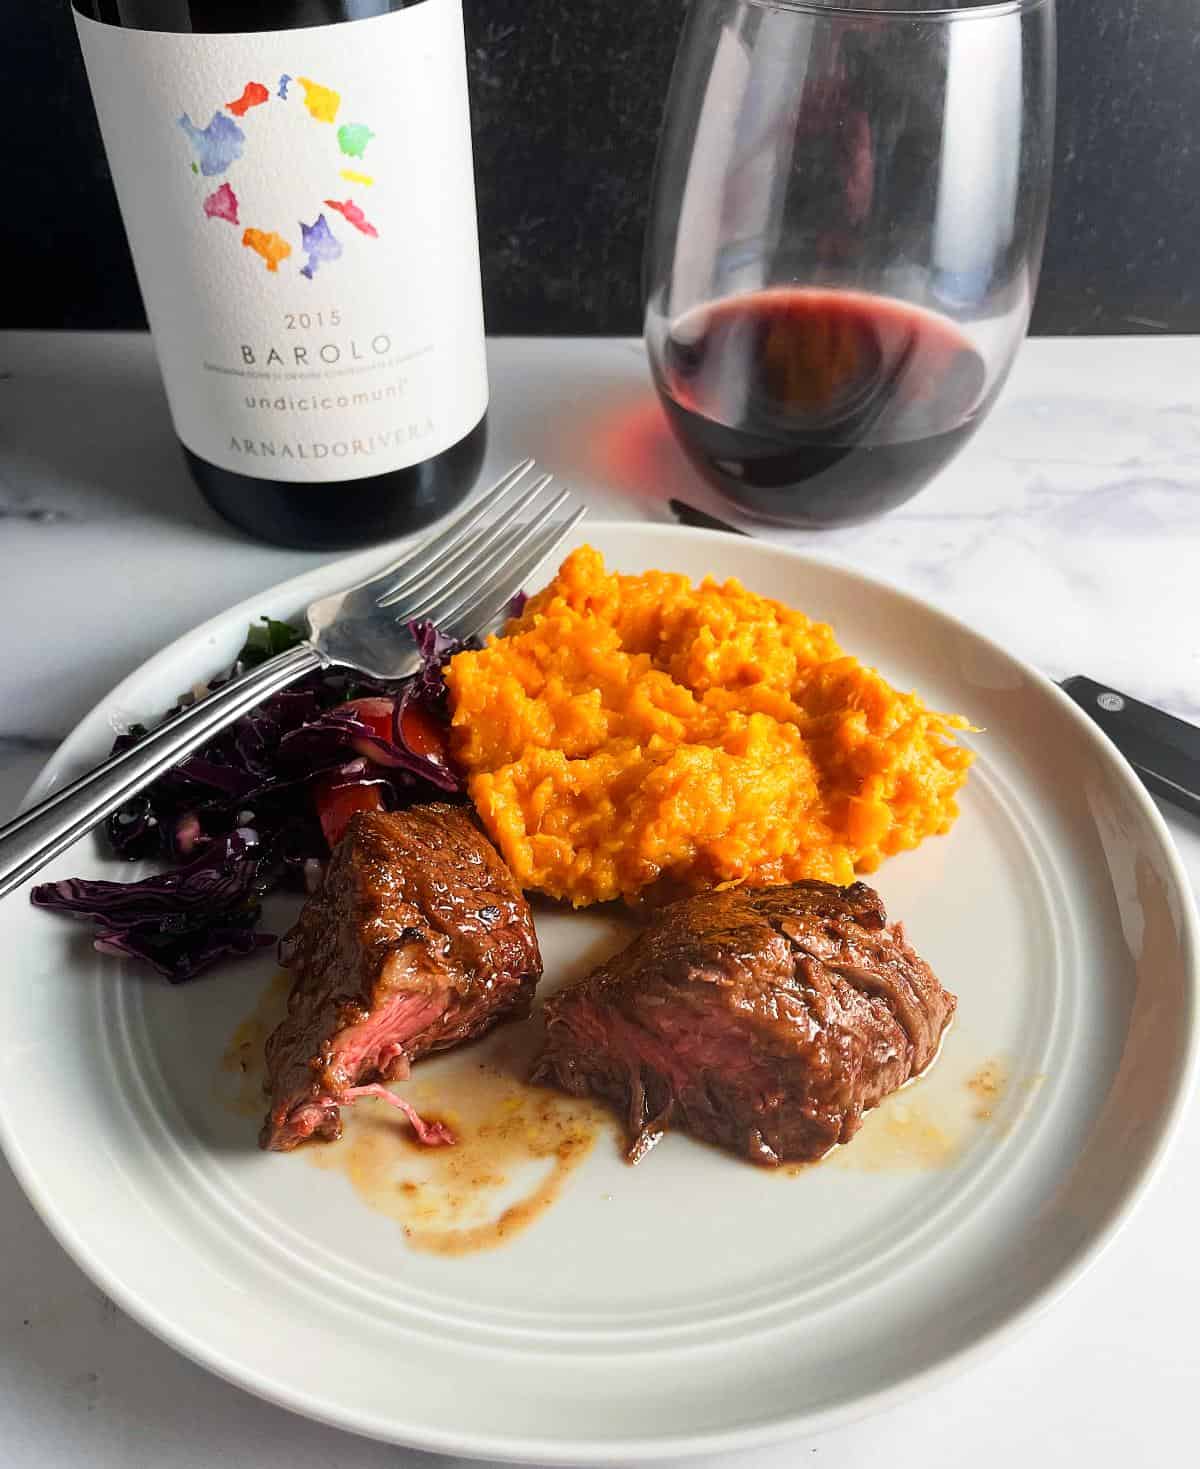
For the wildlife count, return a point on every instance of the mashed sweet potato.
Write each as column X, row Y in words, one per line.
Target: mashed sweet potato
column 637, row 732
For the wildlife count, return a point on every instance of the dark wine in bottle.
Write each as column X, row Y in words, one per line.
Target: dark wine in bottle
column 296, row 182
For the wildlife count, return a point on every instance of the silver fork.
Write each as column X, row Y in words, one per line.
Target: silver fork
column 460, row 580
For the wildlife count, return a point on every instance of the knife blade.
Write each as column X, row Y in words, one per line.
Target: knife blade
column 1163, row 749
column 687, row 514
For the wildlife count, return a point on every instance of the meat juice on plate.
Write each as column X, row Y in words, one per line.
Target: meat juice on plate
column 516, row 1148
column 930, row 1123
column 517, row 1145
column 820, row 407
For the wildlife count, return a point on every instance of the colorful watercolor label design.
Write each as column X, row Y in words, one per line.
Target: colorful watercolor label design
column 222, row 204
column 215, row 146
column 353, row 138
column 300, row 205
column 318, row 243
column 254, row 94
column 222, row 143
column 350, row 212
column 272, row 247
column 322, row 102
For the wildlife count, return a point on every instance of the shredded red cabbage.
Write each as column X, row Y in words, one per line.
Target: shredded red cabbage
column 239, row 817
column 180, row 921
column 332, row 737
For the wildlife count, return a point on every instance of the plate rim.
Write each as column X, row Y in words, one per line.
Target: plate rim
column 1010, row 1325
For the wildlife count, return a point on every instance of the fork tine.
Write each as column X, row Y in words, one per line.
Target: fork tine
column 497, row 539
column 492, row 602
column 417, row 593
column 429, row 579
column 493, row 541
column 460, row 596
column 421, row 557
column 498, row 544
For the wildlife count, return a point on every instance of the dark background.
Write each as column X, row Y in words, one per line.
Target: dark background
column 568, row 96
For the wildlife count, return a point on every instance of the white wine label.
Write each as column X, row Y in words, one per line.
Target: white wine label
column 301, row 209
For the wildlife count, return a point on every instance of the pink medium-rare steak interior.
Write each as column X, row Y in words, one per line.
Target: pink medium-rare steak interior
column 417, row 940
column 767, row 1020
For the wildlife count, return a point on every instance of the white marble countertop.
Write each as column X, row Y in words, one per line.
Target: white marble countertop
column 1069, row 530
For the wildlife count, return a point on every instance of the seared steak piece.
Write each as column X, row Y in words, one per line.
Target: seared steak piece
column 767, row 1020
column 418, row 939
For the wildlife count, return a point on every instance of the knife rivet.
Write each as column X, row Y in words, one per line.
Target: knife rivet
column 1113, row 703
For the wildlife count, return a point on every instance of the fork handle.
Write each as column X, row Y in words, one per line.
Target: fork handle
column 36, row 836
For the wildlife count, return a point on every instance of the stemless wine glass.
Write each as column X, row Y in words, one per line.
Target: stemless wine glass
column 844, row 242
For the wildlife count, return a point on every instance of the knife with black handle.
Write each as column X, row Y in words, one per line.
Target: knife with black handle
column 1163, row 750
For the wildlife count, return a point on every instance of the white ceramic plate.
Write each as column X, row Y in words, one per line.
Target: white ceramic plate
column 695, row 1302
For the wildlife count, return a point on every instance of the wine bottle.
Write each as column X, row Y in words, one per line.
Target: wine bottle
column 296, row 182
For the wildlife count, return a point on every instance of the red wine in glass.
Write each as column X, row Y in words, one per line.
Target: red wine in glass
column 819, row 407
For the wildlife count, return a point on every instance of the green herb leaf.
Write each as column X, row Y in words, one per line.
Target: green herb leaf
column 267, row 638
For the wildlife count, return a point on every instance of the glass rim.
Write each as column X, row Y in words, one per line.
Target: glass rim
column 984, row 10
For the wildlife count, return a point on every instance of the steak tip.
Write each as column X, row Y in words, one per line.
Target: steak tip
column 287, row 1129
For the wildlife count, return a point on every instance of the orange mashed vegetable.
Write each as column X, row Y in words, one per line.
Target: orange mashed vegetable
column 627, row 731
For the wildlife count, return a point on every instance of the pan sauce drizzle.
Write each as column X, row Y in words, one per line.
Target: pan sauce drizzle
column 987, row 1087
column 926, row 1124
column 517, row 1144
